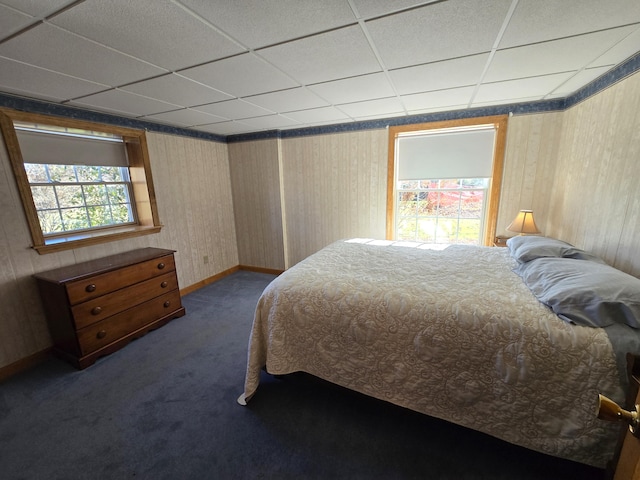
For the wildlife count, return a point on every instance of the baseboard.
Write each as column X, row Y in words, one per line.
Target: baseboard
column 271, row 271
column 207, row 281
column 221, row 275
column 24, row 364
column 38, row 357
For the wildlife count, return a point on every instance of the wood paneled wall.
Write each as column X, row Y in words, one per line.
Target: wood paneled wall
column 255, row 180
column 595, row 199
column 529, row 168
column 334, row 187
column 193, row 193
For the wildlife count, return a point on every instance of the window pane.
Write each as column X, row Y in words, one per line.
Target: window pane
column 450, row 183
column 447, row 231
column 475, row 183
column 117, row 194
column 407, row 229
column 99, row 216
column 471, row 205
column 36, row 173
column 428, row 203
column 75, row 218
column 427, row 230
column 429, row 183
column 44, row 197
column 50, row 221
column 112, row 174
column 408, row 185
column 121, row 213
column 407, row 202
column 69, row 195
column 469, row 231
column 449, row 204
column 87, row 173
column 95, row 194
column 62, row 173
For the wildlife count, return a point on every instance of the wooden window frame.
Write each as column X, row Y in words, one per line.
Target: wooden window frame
column 135, row 142
column 499, row 122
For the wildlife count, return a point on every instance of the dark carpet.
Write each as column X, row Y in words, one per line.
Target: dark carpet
column 164, row 407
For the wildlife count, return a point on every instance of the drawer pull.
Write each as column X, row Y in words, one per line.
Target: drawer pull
column 160, row 266
column 167, row 303
column 96, row 310
column 101, row 334
column 91, row 288
column 164, row 284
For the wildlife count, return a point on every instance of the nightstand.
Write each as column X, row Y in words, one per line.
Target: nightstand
column 500, row 241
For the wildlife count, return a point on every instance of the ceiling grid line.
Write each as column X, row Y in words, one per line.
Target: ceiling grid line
column 278, row 65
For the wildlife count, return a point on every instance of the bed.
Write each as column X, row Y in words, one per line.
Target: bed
column 460, row 334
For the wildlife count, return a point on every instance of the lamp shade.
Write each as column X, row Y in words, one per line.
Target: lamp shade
column 524, row 223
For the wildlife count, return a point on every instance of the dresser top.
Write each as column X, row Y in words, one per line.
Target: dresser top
column 101, row 265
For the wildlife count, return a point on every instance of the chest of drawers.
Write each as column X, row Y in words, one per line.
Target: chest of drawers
column 97, row 307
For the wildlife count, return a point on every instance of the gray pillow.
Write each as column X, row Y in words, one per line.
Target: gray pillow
column 585, row 293
column 525, row 248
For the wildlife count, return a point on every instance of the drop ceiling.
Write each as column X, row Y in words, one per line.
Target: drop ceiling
column 241, row 66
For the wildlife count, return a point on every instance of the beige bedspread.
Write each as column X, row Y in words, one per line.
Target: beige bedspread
column 454, row 334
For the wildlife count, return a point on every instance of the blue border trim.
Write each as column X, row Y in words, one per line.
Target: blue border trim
column 627, row 68
column 542, row 106
column 46, row 108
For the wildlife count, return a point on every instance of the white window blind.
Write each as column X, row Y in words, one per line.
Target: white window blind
column 61, row 149
column 442, row 155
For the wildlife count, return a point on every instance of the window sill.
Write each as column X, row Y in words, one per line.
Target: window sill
column 70, row 242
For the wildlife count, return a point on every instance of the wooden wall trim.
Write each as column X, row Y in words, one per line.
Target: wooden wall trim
column 500, row 124
column 207, row 281
column 24, row 364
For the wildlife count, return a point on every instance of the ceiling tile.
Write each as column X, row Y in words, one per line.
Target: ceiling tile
column 48, row 47
column 240, row 76
column 337, row 54
column 534, row 87
column 446, row 108
column 439, row 31
column 287, row 100
column 234, row 109
column 226, row 128
column 376, row 8
column 354, row 89
column 178, row 90
column 186, row 117
column 540, row 20
column 318, row 115
column 270, row 122
column 438, row 99
column 12, row 21
column 38, row 8
column 156, row 31
column 381, row 107
column 259, row 23
column 29, row 80
column 552, row 57
column 578, row 80
column 125, row 102
column 620, row 52
column 458, row 72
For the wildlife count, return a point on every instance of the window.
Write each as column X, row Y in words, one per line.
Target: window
column 80, row 183
column 441, row 211
column 444, row 181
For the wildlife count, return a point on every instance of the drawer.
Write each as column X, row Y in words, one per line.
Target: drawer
column 113, row 328
column 88, row 288
column 92, row 311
